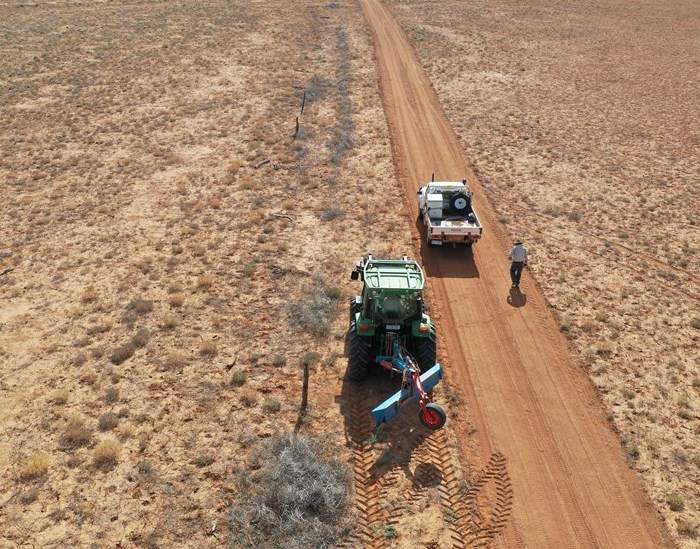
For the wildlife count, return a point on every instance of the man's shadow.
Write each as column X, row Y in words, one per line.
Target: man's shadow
column 516, row 298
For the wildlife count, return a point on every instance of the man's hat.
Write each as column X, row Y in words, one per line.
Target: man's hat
column 518, row 240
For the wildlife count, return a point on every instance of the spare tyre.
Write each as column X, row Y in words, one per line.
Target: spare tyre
column 460, row 202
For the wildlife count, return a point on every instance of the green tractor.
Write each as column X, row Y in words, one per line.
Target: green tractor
column 389, row 310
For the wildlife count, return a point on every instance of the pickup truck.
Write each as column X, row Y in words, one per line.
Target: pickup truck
column 447, row 212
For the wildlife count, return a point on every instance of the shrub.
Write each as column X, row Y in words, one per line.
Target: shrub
column 106, row 454
column 177, row 300
column 271, row 405
column 34, row 467
column 169, row 322
column 332, row 213
column 76, row 434
column 108, row 421
column 208, row 348
column 112, row 395
column 675, row 502
column 687, row 529
column 279, row 360
column 89, row 295
column 238, row 378
column 203, row 460
column 140, row 338
column 140, row 306
column 60, row 396
column 175, row 359
column 316, row 309
column 695, row 323
column 249, row 398
column 29, row 496
column 300, row 497
column 310, row 358
column 205, row 281
column 122, row 353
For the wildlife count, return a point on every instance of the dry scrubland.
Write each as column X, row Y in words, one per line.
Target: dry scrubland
column 581, row 122
column 175, row 258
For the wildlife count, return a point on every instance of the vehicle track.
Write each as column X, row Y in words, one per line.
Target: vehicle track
column 566, row 483
column 427, row 461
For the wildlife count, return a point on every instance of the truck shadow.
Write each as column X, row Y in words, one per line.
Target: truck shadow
column 447, row 261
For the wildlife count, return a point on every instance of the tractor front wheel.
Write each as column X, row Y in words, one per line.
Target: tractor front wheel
column 358, row 354
column 433, row 416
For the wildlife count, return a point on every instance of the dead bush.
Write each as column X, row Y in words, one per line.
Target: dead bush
column 299, row 499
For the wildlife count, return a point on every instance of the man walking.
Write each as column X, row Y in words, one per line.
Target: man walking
column 518, row 256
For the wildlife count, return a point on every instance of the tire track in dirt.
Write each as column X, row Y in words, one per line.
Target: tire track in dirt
column 426, row 460
column 566, row 484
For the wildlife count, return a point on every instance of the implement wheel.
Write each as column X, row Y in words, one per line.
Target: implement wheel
column 433, row 416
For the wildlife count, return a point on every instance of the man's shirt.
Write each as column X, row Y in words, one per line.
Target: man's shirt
column 518, row 253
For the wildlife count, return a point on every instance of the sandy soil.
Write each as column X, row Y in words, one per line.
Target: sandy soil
column 166, row 237
column 526, row 398
column 579, row 122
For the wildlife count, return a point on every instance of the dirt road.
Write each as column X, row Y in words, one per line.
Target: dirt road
column 526, row 396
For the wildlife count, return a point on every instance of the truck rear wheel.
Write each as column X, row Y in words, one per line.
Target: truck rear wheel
column 358, row 354
column 426, row 350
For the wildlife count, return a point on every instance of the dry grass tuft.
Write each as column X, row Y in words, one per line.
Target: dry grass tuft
column 249, row 397
column 208, row 349
column 177, row 300
column 204, row 281
column 89, row 295
column 76, row 434
column 106, row 454
column 107, row 421
column 170, row 322
column 60, row 396
column 238, row 378
column 34, row 467
column 140, row 306
column 175, row 360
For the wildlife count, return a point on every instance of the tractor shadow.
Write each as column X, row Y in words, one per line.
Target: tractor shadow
column 445, row 261
column 396, row 446
column 516, row 298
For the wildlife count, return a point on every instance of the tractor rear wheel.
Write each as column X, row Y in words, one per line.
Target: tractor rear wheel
column 433, row 416
column 358, row 354
column 426, row 350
